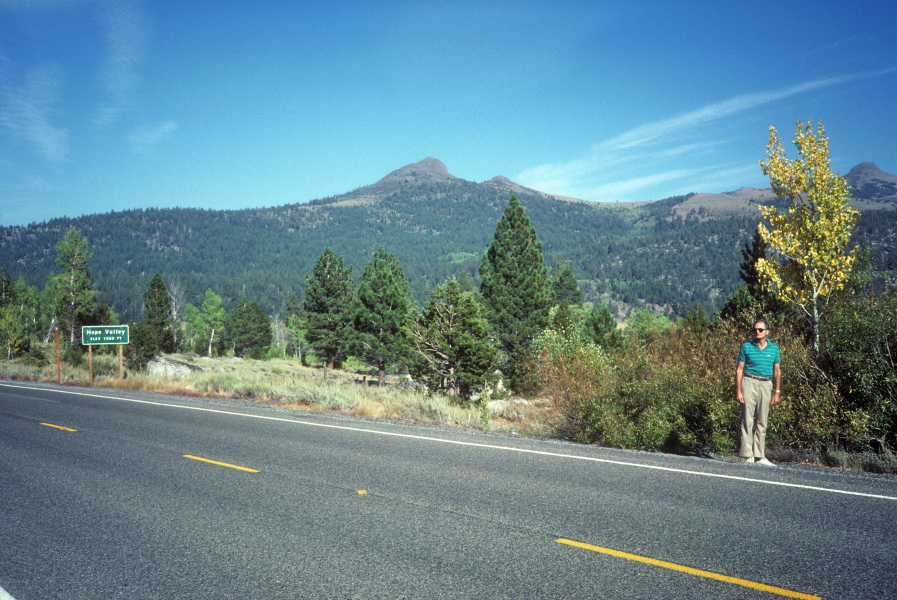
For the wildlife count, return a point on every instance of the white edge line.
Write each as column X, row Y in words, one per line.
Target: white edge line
column 459, row 443
column 4, row 595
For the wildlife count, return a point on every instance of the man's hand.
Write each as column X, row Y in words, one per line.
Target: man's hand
column 776, row 397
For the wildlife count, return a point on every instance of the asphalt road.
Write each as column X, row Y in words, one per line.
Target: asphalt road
column 109, row 494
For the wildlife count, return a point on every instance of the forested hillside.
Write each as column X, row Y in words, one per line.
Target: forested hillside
column 660, row 253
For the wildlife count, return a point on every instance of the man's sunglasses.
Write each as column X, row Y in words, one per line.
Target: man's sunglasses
column 759, row 329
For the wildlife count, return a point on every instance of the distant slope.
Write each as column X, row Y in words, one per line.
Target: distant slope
column 667, row 254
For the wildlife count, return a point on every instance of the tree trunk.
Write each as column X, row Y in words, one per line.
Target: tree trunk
column 211, row 339
column 381, row 380
column 816, row 343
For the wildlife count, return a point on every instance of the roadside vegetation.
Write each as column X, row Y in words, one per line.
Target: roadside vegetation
column 364, row 348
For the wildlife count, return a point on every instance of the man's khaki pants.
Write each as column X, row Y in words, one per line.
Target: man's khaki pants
column 754, row 413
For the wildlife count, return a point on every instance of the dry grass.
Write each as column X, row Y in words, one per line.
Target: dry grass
column 279, row 382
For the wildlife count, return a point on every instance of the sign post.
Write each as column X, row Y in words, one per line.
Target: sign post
column 103, row 335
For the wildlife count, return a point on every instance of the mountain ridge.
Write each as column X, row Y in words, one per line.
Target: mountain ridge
column 666, row 254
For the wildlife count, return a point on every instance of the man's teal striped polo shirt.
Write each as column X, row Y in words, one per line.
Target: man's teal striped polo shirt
column 759, row 362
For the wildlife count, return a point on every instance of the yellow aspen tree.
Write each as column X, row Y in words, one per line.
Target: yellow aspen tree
column 810, row 238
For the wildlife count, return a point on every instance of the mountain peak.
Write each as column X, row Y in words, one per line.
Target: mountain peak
column 868, row 170
column 868, row 182
column 429, row 169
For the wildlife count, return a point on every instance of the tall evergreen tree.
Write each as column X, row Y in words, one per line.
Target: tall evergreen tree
column 328, row 300
column 157, row 315
column 249, row 329
column 74, row 286
column 515, row 282
column 599, row 326
column 381, row 310
column 747, row 269
column 453, row 341
column 566, row 288
column 751, row 300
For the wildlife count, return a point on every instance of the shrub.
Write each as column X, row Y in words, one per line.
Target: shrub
column 672, row 394
column 74, row 356
column 675, row 392
column 860, row 353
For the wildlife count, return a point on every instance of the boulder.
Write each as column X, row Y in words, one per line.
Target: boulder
column 167, row 368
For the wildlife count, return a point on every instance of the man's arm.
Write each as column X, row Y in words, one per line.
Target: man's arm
column 776, row 383
column 739, row 372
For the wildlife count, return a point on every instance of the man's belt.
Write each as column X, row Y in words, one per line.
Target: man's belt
column 758, row 378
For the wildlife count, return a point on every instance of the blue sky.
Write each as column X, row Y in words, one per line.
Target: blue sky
column 118, row 104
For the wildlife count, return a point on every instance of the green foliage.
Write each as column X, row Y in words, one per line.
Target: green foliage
column 515, row 282
column 74, row 286
column 380, row 313
column 249, row 330
column 73, row 355
column 5, row 287
column 204, row 333
column 860, row 332
column 328, row 300
column 142, row 347
column 14, row 338
column 564, row 284
column 562, row 317
column 600, row 327
column 455, row 348
column 674, row 392
column 157, row 315
column 622, row 253
column 645, row 325
column 274, row 352
column 697, row 321
column 671, row 395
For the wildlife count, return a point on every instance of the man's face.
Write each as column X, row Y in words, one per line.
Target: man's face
column 760, row 331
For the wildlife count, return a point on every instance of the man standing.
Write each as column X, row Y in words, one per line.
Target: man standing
column 758, row 383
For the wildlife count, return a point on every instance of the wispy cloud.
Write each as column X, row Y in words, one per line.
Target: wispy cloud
column 26, row 112
column 647, row 133
column 125, row 27
column 149, row 137
column 594, row 176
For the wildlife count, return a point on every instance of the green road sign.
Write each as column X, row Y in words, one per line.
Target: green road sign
column 104, row 334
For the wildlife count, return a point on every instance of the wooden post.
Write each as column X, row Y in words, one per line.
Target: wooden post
column 58, row 360
column 121, row 361
column 90, row 362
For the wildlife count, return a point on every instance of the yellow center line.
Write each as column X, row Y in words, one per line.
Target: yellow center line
column 698, row 572
column 223, row 464
column 59, row 427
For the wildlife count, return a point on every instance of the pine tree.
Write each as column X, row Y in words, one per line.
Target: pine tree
column 599, row 326
column 380, row 314
column 249, row 329
column 515, row 282
column 328, row 300
column 564, row 284
column 747, row 269
column 453, row 341
column 697, row 320
column 157, row 315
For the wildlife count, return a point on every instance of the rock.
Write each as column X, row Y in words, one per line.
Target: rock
column 167, row 368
